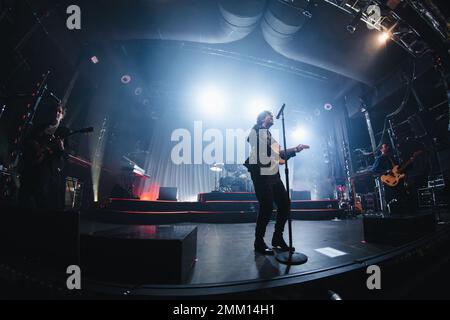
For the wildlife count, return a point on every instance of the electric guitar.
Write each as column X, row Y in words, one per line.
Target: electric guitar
column 43, row 147
column 393, row 178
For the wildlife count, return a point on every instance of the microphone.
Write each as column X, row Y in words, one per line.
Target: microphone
column 84, row 130
column 281, row 111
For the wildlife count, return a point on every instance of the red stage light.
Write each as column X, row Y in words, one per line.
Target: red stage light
column 150, row 193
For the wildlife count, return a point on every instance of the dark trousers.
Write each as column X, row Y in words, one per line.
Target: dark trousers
column 45, row 193
column 397, row 193
column 268, row 191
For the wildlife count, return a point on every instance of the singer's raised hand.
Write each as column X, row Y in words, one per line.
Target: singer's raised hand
column 301, row 147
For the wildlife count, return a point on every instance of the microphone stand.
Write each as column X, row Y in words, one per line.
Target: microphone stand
column 288, row 257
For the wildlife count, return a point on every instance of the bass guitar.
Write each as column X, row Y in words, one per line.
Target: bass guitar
column 394, row 177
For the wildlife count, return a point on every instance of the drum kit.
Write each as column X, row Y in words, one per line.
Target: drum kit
column 231, row 178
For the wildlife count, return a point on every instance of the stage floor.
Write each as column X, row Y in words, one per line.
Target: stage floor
column 226, row 265
column 225, row 251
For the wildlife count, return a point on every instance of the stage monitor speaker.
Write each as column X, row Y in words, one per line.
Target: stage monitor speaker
column 167, row 193
column 397, row 229
column 50, row 237
column 301, row 195
column 150, row 254
column 120, row 193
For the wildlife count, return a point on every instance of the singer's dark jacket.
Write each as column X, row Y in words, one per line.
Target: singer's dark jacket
column 255, row 168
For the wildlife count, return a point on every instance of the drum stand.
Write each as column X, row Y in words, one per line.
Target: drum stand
column 217, row 168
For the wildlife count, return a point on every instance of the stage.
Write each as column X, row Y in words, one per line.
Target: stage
column 143, row 153
column 225, row 251
column 234, row 207
column 224, row 265
column 227, row 266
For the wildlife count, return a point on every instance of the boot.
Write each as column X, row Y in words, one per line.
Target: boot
column 262, row 248
column 279, row 243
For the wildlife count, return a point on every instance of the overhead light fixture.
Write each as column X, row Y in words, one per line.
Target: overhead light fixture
column 94, row 60
column 384, row 36
column 125, row 79
column 373, row 14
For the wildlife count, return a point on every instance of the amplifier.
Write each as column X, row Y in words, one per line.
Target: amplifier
column 397, row 229
column 429, row 197
column 370, row 202
column 73, row 193
column 436, row 182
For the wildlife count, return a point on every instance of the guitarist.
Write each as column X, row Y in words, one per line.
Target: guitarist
column 262, row 164
column 42, row 180
column 383, row 164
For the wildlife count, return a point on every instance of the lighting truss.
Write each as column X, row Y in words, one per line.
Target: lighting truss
column 401, row 32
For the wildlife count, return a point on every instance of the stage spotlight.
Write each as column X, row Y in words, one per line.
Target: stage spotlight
column 212, row 100
column 138, row 91
column 125, row 79
column 257, row 106
column 373, row 16
column 300, row 134
column 328, row 106
column 384, row 37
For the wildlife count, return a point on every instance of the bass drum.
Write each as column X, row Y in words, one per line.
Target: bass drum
column 225, row 184
column 242, row 185
column 238, row 185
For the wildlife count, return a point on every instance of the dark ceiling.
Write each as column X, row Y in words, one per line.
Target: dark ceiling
column 266, row 32
column 321, row 41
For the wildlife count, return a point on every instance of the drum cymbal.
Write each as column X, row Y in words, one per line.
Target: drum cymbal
column 218, row 165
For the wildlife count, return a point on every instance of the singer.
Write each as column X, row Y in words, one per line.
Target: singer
column 42, row 180
column 263, row 163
